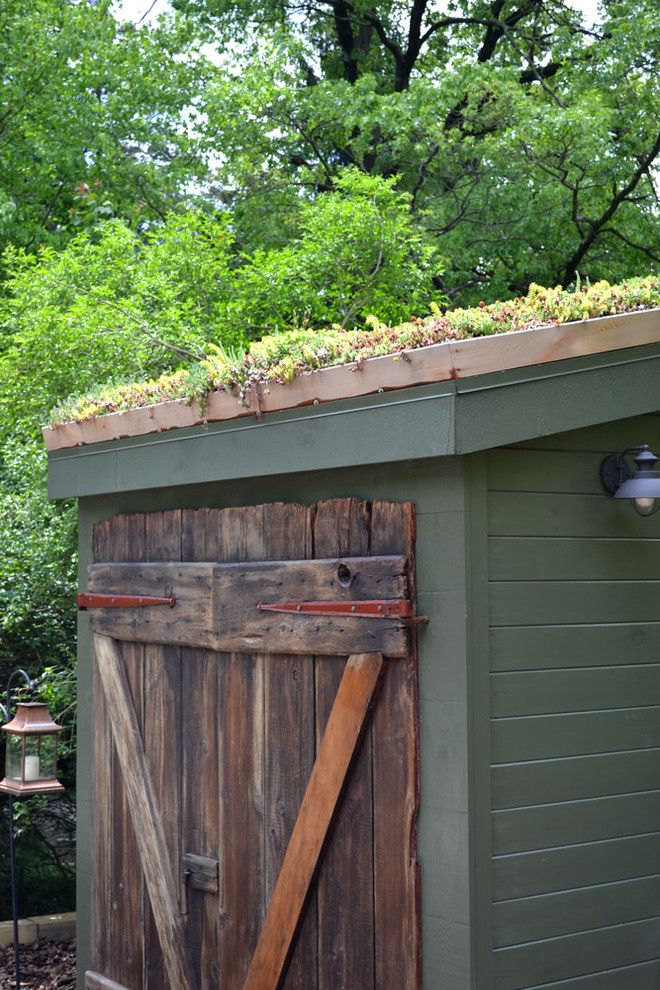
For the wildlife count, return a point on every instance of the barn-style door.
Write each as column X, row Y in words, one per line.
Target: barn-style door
column 255, row 749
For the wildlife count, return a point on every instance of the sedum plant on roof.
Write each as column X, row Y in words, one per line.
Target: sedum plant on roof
column 283, row 356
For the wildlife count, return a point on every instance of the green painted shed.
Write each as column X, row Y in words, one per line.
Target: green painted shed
column 538, row 834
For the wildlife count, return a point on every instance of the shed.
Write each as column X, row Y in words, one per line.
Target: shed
column 461, row 484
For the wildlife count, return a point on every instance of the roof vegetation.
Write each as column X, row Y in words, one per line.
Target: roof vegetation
column 282, row 357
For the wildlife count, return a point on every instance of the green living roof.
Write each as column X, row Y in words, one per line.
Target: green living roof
column 281, row 358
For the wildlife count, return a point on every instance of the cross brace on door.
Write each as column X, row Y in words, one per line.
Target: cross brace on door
column 232, row 594
column 335, row 753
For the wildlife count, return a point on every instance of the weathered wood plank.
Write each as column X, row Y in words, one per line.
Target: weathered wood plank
column 289, row 744
column 126, row 920
column 102, row 797
column 216, row 605
column 322, row 793
column 202, row 735
column 397, row 892
column 144, row 814
column 345, row 931
column 240, row 705
column 162, row 734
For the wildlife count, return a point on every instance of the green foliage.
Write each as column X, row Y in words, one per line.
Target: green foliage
column 109, row 304
column 37, row 564
column 96, row 118
column 356, row 252
column 118, row 304
column 282, row 356
column 526, row 141
column 37, row 632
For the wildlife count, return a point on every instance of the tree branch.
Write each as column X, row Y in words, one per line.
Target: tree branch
column 596, row 226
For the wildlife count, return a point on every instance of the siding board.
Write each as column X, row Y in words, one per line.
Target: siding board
column 574, row 955
column 534, row 647
column 530, row 514
column 552, row 915
column 538, row 692
column 527, row 603
column 569, row 867
column 574, row 580
column 568, row 823
column 574, row 778
column 574, row 734
column 526, row 558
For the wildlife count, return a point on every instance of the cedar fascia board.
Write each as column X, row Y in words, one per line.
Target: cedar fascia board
column 448, row 418
column 461, row 360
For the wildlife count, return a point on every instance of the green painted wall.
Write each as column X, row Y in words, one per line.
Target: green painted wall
column 573, row 678
column 437, row 488
column 539, row 834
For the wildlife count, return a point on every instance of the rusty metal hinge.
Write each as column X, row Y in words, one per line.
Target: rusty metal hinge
column 396, row 608
column 88, row 599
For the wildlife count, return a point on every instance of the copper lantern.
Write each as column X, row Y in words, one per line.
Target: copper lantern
column 31, row 758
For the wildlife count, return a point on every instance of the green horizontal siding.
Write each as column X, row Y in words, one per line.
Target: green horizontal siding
column 574, row 601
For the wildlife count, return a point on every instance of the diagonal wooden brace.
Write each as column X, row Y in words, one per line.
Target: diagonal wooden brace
column 324, row 787
column 145, row 815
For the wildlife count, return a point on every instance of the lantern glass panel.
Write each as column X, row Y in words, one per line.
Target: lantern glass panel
column 14, row 758
column 48, row 756
column 32, row 769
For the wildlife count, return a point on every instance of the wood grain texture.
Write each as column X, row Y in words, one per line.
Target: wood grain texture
column 230, row 740
column 434, row 363
column 289, row 744
column 202, row 734
column 216, row 605
column 126, row 919
column 318, row 806
column 162, row 735
column 102, row 798
column 144, row 813
column 346, row 928
column 397, row 887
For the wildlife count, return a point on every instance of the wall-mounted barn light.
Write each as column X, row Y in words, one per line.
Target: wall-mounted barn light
column 641, row 485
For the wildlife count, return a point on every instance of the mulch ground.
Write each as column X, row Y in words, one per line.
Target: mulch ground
column 44, row 966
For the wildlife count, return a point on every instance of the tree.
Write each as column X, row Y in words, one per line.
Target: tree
column 529, row 143
column 96, row 119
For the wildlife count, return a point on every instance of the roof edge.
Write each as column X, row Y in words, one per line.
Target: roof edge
column 435, row 363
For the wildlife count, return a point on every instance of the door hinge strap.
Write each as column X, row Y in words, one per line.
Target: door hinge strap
column 378, row 609
column 88, row 599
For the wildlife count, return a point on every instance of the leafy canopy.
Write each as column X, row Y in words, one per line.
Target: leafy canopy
column 114, row 304
column 97, row 118
column 528, row 143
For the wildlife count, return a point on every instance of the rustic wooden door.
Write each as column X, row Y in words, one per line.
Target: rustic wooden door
column 225, row 734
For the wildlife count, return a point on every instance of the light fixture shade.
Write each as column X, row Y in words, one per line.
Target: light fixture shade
column 31, row 757
column 645, row 486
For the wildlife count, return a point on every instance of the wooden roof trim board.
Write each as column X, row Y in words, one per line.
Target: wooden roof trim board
column 423, row 366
